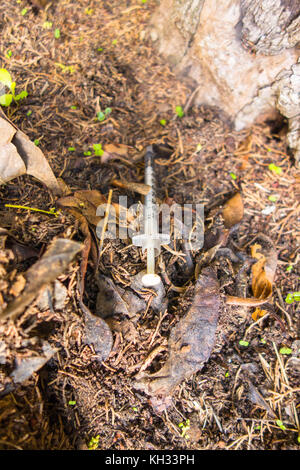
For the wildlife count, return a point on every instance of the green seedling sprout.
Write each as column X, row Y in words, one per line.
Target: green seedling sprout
column 66, row 68
column 94, row 442
column 24, row 11
column 275, row 169
column 89, row 11
column 71, row 149
column 179, row 111
column 289, row 268
column 47, row 24
column 184, row 426
column 101, row 115
column 98, row 151
column 36, row 142
column 285, row 351
column 8, row 54
column 163, row 122
column 6, row 98
column 280, row 424
column 34, row 209
column 243, row 343
column 233, row 175
column 57, row 33
column 292, row 296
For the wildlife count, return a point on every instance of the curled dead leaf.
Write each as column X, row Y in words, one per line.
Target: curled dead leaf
column 258, row 313
column 19, row 156
column 54, row 262
column 263, row 271
column 233, row 211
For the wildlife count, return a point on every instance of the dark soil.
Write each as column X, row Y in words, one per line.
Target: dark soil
column 247, row 395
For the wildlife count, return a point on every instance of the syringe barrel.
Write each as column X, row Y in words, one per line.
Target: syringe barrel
column 150, row 209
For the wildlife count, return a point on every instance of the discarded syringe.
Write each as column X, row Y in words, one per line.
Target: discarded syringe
column 150, row 240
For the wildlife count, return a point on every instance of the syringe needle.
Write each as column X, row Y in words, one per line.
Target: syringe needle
column 151, row 240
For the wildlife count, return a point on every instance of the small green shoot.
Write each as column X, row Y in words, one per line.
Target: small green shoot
column 34, row 209
column 73, row 107
column 144, row 1
column 72, row 402
column 233, row 176
column 100, row 49
column 198, row 148
column 94, row 442
column 71, row 149
column 89, row 11
column 6, row 98
column 243, row 343
column 163, row 122
column 184, row 426
column 134, row 408
column 57, row 33
column 273, row 198
column 285, row 351
column 66, row 68
column 29, row 113
column 101, row 115
column 24, row 11
column 114, row 42
column 263, row 341
column 8, row 54
column 226, row 374
column 280, row 424
column 179, row 111
column 47, row 24
column 87, row 153
column 289, row 268
column 36, row 142
column 21, row 95
column 98, row 151
column 275, row 169
column 292, row 296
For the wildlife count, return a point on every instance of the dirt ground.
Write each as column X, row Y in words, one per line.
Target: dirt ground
column 247, row 395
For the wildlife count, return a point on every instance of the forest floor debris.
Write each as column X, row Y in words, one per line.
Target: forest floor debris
column 98, row 95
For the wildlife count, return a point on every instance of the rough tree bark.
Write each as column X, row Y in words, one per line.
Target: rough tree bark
column 243, row 55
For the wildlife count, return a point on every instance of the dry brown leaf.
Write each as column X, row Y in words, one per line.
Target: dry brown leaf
column 19, row 156
column 112, row 151
column 233, row 211
column 191, row 339
column 139, row 188
column 246, row 301
column 258, row 313
column 263, row 271
column 54, row 262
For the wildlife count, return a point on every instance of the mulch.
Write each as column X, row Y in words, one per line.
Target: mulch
column 246, row 396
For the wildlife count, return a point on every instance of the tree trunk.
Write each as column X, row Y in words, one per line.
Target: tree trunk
column 241, row 55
